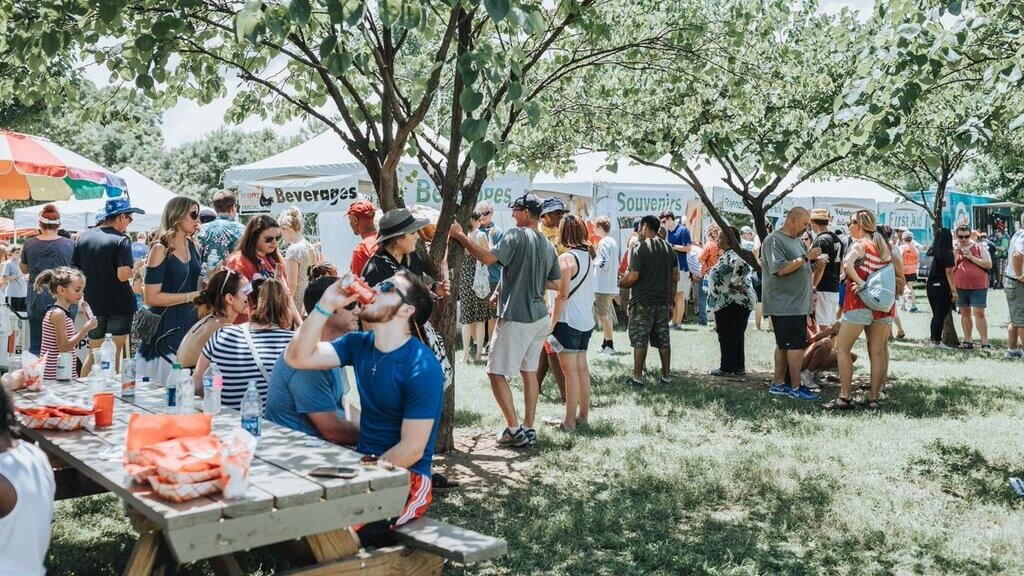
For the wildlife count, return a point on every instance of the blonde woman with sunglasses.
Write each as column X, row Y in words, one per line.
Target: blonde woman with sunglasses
column 172, row 281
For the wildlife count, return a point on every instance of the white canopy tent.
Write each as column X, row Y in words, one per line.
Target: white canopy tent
column 321, row 176
column 81, row 214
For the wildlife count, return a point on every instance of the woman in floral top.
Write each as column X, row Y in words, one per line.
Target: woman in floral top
column 731, row 297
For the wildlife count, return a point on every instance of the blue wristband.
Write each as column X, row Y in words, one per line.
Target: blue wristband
column 323, row 310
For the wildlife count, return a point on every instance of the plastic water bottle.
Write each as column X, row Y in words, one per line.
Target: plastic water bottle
column 128, row 380
column 252, row 410
column 211, row 394
column 108, row 356
column 172, row 388
column 186, row 392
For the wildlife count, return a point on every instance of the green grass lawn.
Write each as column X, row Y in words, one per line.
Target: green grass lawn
column 715, row 477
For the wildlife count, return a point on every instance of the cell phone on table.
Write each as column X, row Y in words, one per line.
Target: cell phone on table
column 342, row 472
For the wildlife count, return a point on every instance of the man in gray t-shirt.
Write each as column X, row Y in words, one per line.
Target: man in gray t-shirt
column 786, row 292
column 530, row 266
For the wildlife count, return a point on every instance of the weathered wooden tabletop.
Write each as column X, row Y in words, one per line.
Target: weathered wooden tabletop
column 283, row 502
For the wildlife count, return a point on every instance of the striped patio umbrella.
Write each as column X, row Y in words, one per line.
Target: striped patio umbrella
column 34, row 168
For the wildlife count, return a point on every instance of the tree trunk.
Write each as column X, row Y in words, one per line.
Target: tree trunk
column 444, row 316
column 949, row 336
column 389, row 195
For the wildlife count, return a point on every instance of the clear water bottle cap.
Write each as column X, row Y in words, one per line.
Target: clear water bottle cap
column 108, row 336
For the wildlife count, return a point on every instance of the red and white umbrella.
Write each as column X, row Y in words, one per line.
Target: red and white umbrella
column 33, row 168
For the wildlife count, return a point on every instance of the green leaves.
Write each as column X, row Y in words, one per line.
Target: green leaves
column 497, row 9
column 300, row 10
column 246, row 19
column 482, row 152
column 470, row 100
column 474, row 129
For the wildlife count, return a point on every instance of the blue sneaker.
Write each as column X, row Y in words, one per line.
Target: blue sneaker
column 802, row 393
column 779, row 389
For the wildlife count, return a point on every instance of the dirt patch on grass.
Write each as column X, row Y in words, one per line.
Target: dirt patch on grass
column 479, row 459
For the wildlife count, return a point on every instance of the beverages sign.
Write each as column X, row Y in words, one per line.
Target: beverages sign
column 313, row 195
column 500, row 191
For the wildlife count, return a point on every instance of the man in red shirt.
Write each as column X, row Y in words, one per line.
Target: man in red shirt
column 360, row 217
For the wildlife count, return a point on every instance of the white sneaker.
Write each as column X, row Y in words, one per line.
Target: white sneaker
column 807, row 378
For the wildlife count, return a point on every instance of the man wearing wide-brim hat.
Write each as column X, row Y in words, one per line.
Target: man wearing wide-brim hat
column 826, row 278
column 104, row 254
column 396, row 250
column 530, row 267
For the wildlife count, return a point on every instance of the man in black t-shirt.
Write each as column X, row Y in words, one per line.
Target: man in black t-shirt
column 104, row 255
column 826, row 278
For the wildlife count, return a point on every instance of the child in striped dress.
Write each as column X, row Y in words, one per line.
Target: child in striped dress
column 67, row 286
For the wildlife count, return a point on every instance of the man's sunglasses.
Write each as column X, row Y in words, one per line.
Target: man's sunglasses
column 487, row 213
column 386, row 286
column 963, row 237
column 269, row 239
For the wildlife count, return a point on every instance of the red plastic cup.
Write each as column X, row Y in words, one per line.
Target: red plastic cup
column 103, row 403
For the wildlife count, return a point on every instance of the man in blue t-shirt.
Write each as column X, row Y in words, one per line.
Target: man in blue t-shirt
column 400, row 382
column 310, row 401
column 679, row 238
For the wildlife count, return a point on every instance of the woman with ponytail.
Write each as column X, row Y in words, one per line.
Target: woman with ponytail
column 868, row 253
column 225, row 296
column 172, row 282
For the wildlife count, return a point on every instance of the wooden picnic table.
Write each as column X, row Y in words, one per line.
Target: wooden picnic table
column 283, row 504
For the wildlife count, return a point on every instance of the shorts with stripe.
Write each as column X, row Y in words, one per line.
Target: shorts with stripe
column 378, row 534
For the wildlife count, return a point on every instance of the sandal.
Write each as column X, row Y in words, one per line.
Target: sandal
column 665, row 381
column 966, row 346
column 839, row 403
column 872, row 405
column 901, row 336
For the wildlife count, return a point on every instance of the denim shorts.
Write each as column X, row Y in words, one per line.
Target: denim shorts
column 972, row 298
column 571, row 339
column 864, row 317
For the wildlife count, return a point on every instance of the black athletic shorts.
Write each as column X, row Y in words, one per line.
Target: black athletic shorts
column 790, row 332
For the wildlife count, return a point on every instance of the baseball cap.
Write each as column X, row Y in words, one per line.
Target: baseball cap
column 361, row 209
column 746, row 230
column 527, row 202
column 553, row 204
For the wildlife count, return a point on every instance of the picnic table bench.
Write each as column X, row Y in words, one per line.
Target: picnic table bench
column 284, row 503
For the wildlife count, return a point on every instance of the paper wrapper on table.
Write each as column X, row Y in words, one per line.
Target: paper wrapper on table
column 33, row 368
column 55, row 417
column 177, row 461
column 148, row 429
column 236, row 458
column 183, row 492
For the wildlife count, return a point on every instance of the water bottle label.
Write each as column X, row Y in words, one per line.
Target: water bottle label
column 128, row 388
column 252, row 425
column 105, row 365
column 172, row 397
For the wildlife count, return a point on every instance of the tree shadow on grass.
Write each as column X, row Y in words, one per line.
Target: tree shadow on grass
column 954, row 399
column 964, row 473
column 645, row 523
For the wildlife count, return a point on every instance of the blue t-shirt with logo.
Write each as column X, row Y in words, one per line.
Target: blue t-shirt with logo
column 680, row 236
column 406, row 383
column 293, row 394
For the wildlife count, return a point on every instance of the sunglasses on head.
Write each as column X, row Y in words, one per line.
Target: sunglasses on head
column 389, row 286
column 269, row 239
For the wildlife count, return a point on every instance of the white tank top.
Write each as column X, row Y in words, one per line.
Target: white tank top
column 25, row 532
column 579, row 310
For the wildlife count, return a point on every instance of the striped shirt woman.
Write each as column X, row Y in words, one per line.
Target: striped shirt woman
column 229, row 349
